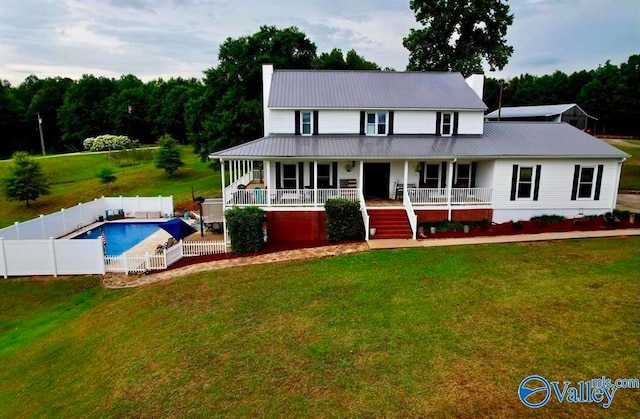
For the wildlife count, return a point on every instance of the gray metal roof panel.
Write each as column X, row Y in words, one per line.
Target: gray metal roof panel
column 371, row 90
column 533, row 111
column 500, row 140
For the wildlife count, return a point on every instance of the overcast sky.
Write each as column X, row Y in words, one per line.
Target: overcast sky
column 165, row 38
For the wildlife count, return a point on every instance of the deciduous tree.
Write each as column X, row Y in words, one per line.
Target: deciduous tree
column 458, row 34
column 25, row 181
column 169, row 157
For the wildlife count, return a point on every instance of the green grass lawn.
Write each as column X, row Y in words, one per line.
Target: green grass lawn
column 444, row 332
column 630, row 177
column 73, row 180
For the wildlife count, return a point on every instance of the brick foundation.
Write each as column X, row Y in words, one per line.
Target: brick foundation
column 434, row 216
column 296, row 226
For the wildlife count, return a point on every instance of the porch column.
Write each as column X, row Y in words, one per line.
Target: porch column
column 231, row 172
column 361, row 177
column 224, row 202
column 222, row 178
column 267, row 180
column 315, row 183
column 449, row 183
column 406, row 178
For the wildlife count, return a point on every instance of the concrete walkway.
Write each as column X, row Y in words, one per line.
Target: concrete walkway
column 115, row 281
column 516, row 238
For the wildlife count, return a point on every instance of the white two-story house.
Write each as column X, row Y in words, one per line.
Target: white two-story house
column 410, row 147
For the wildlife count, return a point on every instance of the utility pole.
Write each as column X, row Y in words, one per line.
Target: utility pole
column 500, row 100
column 41, row 136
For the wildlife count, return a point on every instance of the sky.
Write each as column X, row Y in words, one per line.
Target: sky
column 171, row 38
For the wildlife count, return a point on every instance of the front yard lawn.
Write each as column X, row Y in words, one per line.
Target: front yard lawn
column 444, row 332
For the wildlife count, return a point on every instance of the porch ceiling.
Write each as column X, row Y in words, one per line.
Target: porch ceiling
column 500, row 139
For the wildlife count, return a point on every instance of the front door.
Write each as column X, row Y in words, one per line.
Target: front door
column 376, row 180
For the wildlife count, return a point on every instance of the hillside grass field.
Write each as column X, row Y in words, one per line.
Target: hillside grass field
column 73, row 180
column 429, row 332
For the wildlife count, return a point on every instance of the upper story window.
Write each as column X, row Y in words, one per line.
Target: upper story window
column 376, row 123
column 585, row 183
column 446, row 127
column 306, row 122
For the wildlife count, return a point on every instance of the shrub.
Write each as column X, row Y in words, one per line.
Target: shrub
column 344, row 220
column 169, row 156
column 107, row 142
column 245, row 229
column 106, row 176
column 548, row 219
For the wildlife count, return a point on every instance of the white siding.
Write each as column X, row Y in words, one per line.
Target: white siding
column 414, row 122
column 338, row 122
column 556, row 183
column 484, row 174
column 470, row 122
column 282, row 121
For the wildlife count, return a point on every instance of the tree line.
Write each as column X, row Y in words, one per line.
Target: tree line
column 224, row 108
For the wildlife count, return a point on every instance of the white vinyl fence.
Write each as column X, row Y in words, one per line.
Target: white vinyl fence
column 31, row 247
column 140, row 263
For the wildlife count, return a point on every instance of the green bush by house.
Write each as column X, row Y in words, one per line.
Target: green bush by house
column 344, row 221
column 245, row 229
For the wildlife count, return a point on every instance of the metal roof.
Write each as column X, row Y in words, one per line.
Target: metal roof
column 500, row 140
column 371, row 90
column 534, row 111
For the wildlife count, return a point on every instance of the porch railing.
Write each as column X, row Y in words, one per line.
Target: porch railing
column 459, row 196
column 365, row 214
column 411, row 214
column 285, row 197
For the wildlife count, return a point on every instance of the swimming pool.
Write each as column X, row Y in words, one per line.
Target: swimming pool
column 121, row 236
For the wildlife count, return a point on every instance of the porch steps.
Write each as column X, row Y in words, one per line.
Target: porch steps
column 389, row 223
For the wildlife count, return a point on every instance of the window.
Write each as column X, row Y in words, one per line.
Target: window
column 305, row 117
column 376, row 123
column 585, row 185
column 324, row 174
column 432, row 176
column 447, row 119
column 289, row 179
column 525, row 182
column 463, row 176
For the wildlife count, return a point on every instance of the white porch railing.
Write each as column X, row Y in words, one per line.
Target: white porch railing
column 365, row 214
column 285, row 197
column 459, row 196
column 203, row 248
column 411, row 214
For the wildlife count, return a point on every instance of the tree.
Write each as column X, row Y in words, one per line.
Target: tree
column 458, row 35
column 25, row 181
column 169, row 156
column 106, row 176
column 334, row 60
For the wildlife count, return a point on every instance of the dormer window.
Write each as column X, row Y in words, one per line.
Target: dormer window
column 306, row 122
column 447, row 123
column 376, row 123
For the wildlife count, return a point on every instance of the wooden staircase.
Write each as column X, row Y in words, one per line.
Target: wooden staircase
column 389, row 224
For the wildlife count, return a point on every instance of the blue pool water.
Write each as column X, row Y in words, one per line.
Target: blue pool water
column 121, row 236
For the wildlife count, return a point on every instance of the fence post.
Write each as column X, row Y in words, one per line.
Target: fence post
column 137, row 202
column 44, row 230
column 17, row 224
column 126, row 265
column 4, row 258
column 52, row 244
column 64, row 221
column 147, row 261
column 81, row 216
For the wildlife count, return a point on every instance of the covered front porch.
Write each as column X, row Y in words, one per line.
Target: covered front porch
column 309, row 184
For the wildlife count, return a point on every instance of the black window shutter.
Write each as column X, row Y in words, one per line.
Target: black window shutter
column 278, row 175
column 311, row 175
column 300, row 175
column 362, row 116
column 335, row 174
column 443, row 180
column 514, row 182
column 315, row 122
column 576, row 177
column 297, row 122
column 596, row 195
column 421, row 183
column 536, row 187
column 455, row 123
column 472, row 180
column 390, row 130
column 438, row 120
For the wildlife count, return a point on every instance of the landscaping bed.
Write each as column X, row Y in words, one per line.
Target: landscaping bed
column 548, row 224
